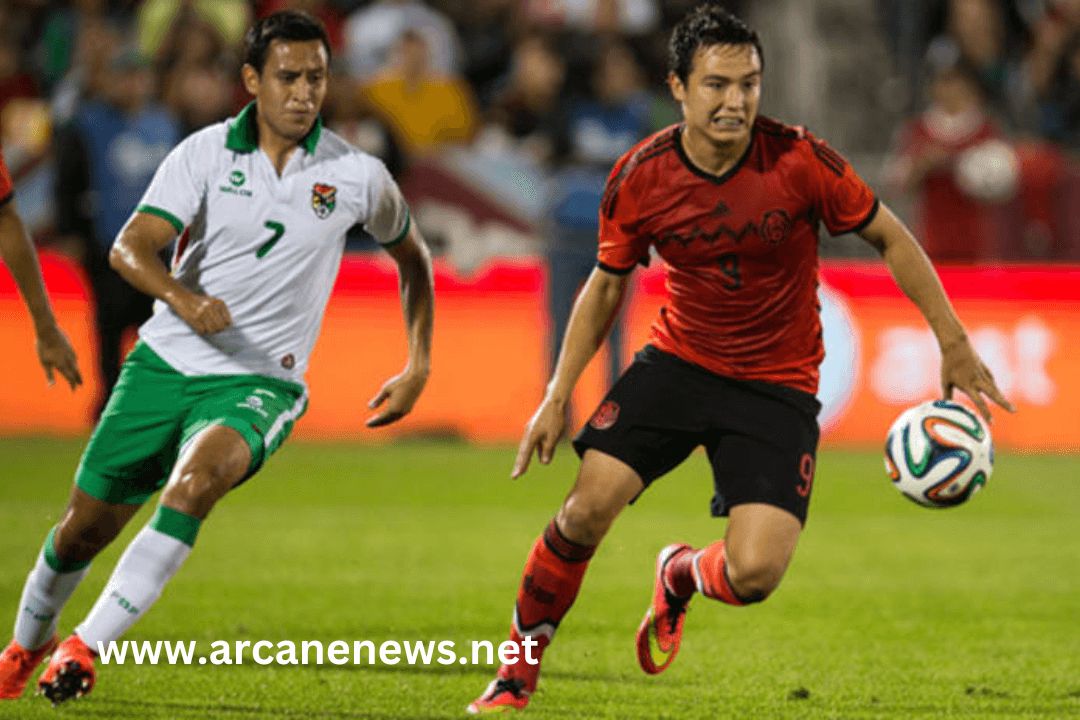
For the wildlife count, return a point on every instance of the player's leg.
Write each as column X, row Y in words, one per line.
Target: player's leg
column 640, row 432
column 748, row 564
column 87, row 527
column 216, row 460
column 232, row 427
column 120, row 469
column 763, row 465
column 554, row 570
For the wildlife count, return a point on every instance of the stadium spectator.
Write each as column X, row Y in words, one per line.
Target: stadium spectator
column 198, row 76
column 731, row 201
column 1052, row 74
column 199, row 94
column 487, row 29
column 592, row 134
column 525, row 114
column 373, row 33
column 217, row 379
column 424, row 109
column 108, row 153
column 990, row 35
column 17, row 251
column 97, row 40
column 158, row 19
column 954, row 224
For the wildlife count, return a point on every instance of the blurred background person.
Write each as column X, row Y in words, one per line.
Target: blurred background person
column 157, row 20
column 524, row 116
column 373, row 34
column 593, row 132
column 105, row 157
column 954, row 221
column 425, row 109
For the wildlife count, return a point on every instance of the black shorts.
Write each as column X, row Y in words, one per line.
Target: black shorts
column 761, row 437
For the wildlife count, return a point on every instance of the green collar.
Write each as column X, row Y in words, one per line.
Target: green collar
column 243, row 134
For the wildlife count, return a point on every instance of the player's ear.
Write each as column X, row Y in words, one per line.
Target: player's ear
column 678, row 89
column 250, row 76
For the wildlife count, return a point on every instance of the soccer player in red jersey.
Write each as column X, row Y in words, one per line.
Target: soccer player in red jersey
column 17, row 251
column 731, row 202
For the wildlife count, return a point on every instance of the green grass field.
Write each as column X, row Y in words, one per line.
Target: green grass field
column 888, row 610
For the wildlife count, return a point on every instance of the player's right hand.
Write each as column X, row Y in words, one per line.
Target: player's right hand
column 55, row 353
column 205, row 315
column 542, row 435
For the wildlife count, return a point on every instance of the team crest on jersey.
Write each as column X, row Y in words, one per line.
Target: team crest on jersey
column 775, row 227
column 605, row 415
column 323, row 200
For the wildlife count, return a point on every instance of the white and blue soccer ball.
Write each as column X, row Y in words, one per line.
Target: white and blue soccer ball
column 939, row 453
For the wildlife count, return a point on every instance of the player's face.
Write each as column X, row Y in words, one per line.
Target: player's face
column 721, row 95
column 291, row 88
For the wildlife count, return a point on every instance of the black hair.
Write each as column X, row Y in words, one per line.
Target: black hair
column 288, row 25
column 705, row 26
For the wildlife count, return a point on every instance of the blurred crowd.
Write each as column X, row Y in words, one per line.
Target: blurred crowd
column 541, row 96
column 988, row 149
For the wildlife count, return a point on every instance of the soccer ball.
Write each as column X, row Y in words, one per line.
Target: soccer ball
column 939, row 453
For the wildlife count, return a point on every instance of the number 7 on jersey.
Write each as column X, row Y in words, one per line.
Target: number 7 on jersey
column 279, row 230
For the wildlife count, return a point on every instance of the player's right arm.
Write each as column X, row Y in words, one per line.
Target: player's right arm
column 169, row 205
column 136, row 257
column 621, row 248
column 590, row 321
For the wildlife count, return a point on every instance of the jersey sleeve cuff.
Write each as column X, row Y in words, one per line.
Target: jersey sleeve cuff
column 614, row 270
column 402, row 234
column 150, row 209
column 862, row 225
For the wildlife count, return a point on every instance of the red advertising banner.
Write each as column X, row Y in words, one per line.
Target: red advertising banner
column 490, row 357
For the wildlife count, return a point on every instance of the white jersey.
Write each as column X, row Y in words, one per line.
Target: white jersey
column 269, row 246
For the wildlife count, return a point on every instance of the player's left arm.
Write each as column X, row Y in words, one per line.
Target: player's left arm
column 961, row 367
column 418, row 303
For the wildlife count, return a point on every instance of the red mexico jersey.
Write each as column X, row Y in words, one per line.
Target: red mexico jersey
column 741, row 249
column 7, row 187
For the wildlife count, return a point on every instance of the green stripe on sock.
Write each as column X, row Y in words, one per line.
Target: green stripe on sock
column 176, row 524
column 54, row 562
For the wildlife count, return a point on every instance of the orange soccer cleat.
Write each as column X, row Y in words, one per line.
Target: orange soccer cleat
column 663, row 624
column 16, row 665
column 70, row 672
column 503, row 695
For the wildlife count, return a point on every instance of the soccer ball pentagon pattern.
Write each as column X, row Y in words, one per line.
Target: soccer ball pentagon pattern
column 939, row 453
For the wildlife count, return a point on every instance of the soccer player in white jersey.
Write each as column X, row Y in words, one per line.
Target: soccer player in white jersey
column 262, row 204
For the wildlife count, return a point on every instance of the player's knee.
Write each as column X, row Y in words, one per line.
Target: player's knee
column 197, row 488
column 755, row 580
column 77, row 543
column 585, row 520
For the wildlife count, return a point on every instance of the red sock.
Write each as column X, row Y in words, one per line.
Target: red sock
column 710, row 574
column 679, row 575
column 549, row 584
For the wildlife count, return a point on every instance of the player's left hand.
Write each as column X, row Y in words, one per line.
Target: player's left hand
column 55, row 353
column 962, row 369
column 400, row 394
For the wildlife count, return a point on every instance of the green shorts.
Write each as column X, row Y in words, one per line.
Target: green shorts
column 155, row 411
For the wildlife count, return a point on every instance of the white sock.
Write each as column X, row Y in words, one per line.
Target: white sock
column 43, row 597
column 149, row 562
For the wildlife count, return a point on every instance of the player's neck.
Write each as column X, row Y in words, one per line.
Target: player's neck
column 709, row 156
column 277, row 147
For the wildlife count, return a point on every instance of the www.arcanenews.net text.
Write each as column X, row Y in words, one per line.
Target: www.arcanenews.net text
column 315, row 652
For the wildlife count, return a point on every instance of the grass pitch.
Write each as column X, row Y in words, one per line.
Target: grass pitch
column 888, row 610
